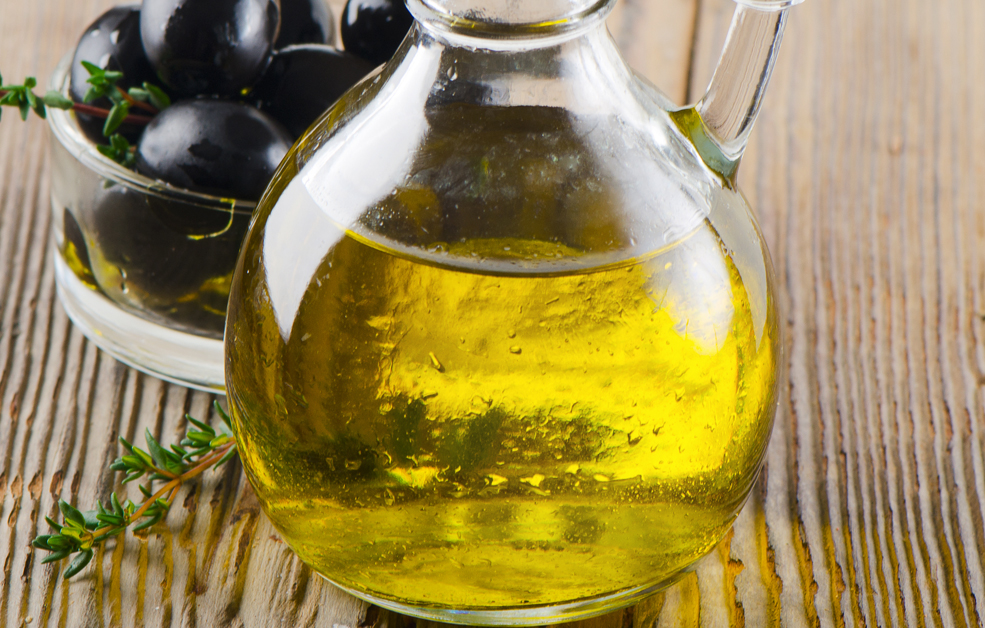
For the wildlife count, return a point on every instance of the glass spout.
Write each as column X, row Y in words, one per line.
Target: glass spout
column 729, row 108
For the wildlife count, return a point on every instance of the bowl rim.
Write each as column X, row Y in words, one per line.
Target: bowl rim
column 65, row 128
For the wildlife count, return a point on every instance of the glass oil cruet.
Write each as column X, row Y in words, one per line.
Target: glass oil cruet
column 502, row 346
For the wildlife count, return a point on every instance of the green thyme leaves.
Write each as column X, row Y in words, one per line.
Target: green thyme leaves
column 202, row 448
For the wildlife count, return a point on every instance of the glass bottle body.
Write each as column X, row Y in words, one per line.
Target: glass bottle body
column 501, row 348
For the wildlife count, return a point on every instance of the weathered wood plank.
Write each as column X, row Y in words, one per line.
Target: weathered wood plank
column 217, row 561
column 656, row 38
column 866, row 172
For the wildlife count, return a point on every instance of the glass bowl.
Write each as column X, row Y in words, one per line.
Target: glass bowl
column 143, row 268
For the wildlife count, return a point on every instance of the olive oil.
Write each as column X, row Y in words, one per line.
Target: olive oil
column 528, row 429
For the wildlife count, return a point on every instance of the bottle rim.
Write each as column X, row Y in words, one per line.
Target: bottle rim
column 438, row 16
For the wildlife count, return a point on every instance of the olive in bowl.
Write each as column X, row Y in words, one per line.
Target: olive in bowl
column 142, row 266
column 302, row 82
column 214, row 147
column 209, row 46
column 112, row 42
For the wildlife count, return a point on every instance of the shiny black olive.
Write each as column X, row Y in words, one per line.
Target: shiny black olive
column 112, row 42
column 217, row 147
column 373, row 29
column 209, row 46
column 305, row 22
column 165, row 270
column 303, row 81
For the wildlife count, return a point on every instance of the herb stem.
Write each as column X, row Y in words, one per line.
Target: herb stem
column 208, row 462
column 136, row 103
column 172, row 486
column 98, row 112
column 78, row 533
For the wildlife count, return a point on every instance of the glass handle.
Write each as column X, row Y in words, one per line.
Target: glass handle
column 729, row 107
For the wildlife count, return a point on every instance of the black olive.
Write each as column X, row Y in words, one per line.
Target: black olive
column 112, row 42
column 213, row 146
column 373, row 29
column 303, row 81
column 209, row 46
column 163, row 269
column 305, row 22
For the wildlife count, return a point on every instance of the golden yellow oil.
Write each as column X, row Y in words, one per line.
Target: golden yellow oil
column 445, row 434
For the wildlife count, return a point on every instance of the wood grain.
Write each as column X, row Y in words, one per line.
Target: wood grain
column 866, row 168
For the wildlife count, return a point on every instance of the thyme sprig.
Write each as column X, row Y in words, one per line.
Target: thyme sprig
column 102, row 84
column 23, row 97
column 202, row 448
column 119, row 150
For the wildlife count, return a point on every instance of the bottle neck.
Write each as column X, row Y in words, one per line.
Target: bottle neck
column 509, row 19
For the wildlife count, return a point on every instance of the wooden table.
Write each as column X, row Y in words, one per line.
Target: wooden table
column 867, row 169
